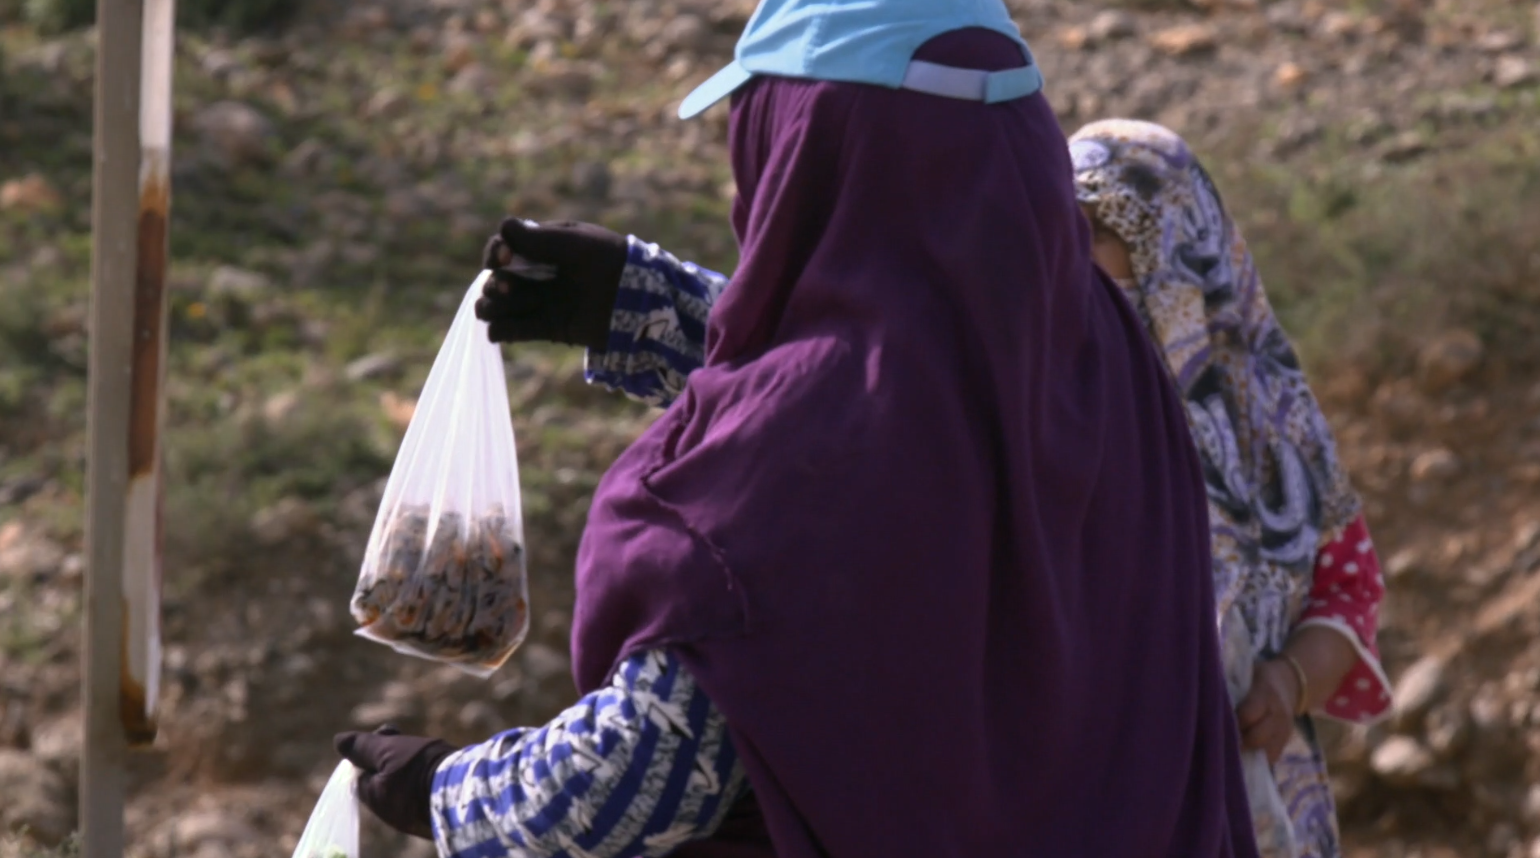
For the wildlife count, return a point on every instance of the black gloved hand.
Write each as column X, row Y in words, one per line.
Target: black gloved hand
column 395, row 776
column 572, row 306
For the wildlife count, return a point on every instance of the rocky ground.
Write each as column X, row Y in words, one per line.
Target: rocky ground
column 335, row 179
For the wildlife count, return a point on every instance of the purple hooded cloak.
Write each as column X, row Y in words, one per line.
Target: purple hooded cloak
column 927, row 526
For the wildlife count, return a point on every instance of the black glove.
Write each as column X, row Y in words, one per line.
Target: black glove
column 395, row 776
column 571, row 301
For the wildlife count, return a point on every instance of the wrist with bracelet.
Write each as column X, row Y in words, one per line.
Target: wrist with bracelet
column 1301, row 701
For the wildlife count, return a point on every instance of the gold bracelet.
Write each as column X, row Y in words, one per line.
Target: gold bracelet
column 1299, row 673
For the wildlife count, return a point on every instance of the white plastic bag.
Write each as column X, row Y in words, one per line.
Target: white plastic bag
column 1269, row 816
column 332, row 831
column 443, row 577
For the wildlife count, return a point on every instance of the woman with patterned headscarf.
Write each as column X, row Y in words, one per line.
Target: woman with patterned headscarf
column 1295, row 574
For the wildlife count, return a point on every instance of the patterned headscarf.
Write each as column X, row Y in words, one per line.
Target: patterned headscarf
column 1276, row 490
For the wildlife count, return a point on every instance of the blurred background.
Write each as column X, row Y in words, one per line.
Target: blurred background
column 339, row 164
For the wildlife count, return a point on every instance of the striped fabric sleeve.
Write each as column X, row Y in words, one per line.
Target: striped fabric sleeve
column 658, row 329
column 630, row 771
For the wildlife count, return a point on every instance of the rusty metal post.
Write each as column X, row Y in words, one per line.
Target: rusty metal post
column 114, row 261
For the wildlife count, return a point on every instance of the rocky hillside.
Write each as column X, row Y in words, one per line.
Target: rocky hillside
column 334, row 181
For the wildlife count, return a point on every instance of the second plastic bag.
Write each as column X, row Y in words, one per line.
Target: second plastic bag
column 443, row 576
column 1269, row 816
column 332, row 831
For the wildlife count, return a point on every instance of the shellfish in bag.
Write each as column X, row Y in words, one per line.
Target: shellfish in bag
column 444, row 575
column 332, row 831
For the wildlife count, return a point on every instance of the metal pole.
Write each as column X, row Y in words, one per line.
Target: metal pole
column 114, row 260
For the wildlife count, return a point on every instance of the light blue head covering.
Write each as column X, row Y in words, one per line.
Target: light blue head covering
column 857, row 41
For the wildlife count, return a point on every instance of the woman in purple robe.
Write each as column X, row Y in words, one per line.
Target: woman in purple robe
column 916, row 563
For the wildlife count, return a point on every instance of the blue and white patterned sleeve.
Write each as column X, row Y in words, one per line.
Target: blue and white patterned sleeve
column 658, row 330
column 632, row 770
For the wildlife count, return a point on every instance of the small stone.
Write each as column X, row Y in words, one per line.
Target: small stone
column 237, row 134
column 686, row 33
column 228, row 281
column 1403, row 563
column 1526, row 536
column 1112, row 24
column 1401, row 761
column 1513, row 71
column 487, row 22
column 371, row 366
column 27, row 554
column 1498, row 42
column 1419, row 686
column 1289, row 77
column 1449, row 360
column 535, row 25
column 279, row 406
column 35, row 798
column 30, row 194
column 1404, row 147
column 1338, row 25
column 1447, row 729
column 1185, row 40
column 1074, row 38
column 386, row 103
column 459, row 51
column 1486, row 710
column 679, row 68
column 473, row 80
column 1435, row 465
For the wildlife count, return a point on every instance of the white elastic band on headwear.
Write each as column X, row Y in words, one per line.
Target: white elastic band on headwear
column 972, row 84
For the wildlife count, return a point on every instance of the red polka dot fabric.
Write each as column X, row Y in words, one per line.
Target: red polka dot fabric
column 1346, row 597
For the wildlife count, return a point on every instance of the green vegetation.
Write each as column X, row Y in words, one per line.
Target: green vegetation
column 1364, row 260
